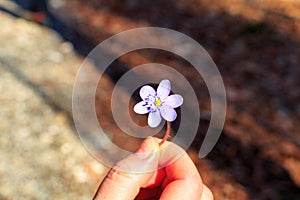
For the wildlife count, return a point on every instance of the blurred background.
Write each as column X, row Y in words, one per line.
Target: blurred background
column 254, row 43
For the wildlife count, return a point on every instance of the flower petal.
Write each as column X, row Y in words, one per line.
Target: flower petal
column 147, row 91
column 141, row 108
column 154, row 119
column 174, row 100
column 163, row 89
column 168, row 113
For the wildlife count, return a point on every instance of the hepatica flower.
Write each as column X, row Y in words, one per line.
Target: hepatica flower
column 158, row 104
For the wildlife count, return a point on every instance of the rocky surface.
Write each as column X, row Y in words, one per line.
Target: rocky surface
column 41, row 154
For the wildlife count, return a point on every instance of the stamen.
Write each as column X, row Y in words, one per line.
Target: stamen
column 157, row 102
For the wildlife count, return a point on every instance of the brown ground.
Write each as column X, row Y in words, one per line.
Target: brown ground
column 256, row 47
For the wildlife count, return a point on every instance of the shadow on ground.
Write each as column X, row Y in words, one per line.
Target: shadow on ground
column 259, row 66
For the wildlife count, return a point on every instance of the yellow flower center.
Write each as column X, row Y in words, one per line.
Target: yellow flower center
column 157, row 102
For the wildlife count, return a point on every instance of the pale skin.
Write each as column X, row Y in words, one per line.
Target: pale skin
column 179, row 180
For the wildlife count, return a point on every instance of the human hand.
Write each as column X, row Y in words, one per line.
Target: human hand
column 179, row 180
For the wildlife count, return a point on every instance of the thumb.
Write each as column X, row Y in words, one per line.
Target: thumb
column 125, row 179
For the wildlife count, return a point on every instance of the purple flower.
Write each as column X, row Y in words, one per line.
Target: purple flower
column 158, row 104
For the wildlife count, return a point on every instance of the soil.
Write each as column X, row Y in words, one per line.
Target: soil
column 256, row 47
